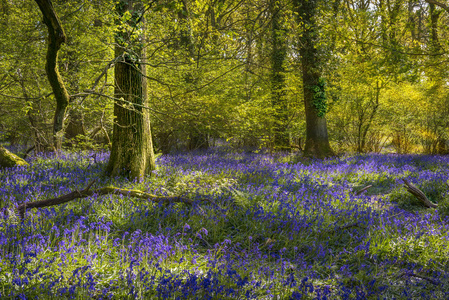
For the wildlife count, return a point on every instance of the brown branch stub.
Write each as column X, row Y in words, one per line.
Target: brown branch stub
column 89, row 185
column 418, row 194
column 362, row 190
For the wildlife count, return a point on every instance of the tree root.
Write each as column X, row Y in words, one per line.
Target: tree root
column 418, row 194
column 102, row 191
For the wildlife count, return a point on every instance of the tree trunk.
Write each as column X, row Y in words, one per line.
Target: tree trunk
column 75, row 127
column 56, row 37
column 197, row 140
column 317, row 141
column 278, row 99
column 9, row 160
column 373, row 113
column 132, row 147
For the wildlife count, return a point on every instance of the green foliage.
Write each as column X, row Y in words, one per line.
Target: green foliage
column 267, row 215
column 209, row 71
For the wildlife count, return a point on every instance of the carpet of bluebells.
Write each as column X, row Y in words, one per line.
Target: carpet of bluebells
column 275, row 226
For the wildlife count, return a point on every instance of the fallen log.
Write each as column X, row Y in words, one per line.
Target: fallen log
column 9, row 160
column 418, row 194
column 110, row 190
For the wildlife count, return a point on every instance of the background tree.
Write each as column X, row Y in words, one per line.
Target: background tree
column 56, row 37
column 281, row 139
column 314, row 84
column 214, row 71
column 26, row 98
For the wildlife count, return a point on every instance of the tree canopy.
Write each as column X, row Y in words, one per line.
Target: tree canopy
column 234, row 72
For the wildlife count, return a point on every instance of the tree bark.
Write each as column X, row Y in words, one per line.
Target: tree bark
column 418, row 194
column 317, row 141
column 278, row 99
column 56, row 37
column 132, row 147
column 9, row 160
column 75, row 127
column 367, row 126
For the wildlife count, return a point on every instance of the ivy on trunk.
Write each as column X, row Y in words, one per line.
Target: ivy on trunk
column 317, row 141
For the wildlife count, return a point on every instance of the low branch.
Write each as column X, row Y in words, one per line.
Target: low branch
column 102, row 191
column 418, row 194
column 28, row 98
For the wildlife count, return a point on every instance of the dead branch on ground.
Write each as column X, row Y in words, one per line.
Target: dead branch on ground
column 418, row 194
column 413, row 274
column 103, row 191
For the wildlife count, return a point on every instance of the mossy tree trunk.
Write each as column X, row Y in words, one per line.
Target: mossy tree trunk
column 9, row 160
column 56, row 37
column 281, row 138
column 317, row 141
column 132, row 147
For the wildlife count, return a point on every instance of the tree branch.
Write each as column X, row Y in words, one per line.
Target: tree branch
column 442, row 5
column 418, row 194
column 103, row 191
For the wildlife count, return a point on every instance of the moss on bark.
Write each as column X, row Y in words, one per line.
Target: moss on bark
column 9, row 160
column 132, row 147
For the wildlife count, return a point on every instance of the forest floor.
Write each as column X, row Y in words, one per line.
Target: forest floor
column 276, row 227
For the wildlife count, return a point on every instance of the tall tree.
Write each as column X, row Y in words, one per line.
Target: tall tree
column 56, row 37
column 317, row 141
column 278, row 55
column 132, row 147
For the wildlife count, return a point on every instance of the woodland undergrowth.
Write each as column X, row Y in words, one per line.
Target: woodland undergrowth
column 278, row 227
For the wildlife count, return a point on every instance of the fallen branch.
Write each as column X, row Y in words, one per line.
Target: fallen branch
column 412, row 274
column 418, row 194
column 102, row 191
column 362, row 190
column 343, row 227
